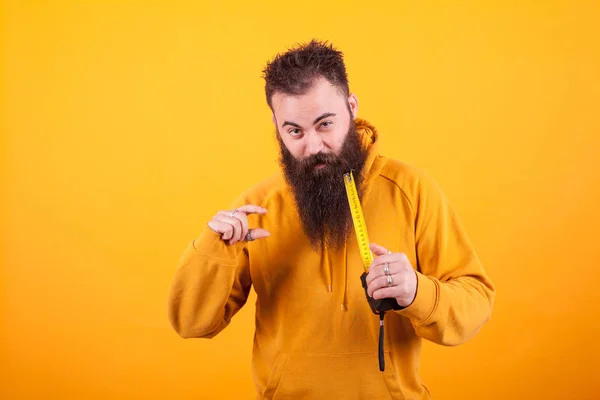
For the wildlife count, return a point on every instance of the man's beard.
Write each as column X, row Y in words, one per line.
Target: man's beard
column 320, row 192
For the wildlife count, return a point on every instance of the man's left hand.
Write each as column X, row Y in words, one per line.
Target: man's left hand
column 400, row 281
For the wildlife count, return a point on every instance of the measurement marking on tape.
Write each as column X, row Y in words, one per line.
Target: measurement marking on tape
column 360, row 227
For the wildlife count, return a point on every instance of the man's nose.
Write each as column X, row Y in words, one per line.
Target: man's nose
column 314, row 144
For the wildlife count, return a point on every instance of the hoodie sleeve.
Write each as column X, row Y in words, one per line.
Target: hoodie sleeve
column 210, row 285
column 454, row 295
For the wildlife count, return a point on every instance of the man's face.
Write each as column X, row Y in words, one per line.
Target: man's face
column 317, row 148
column 315, row 122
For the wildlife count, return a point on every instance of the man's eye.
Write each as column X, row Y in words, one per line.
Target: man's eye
column 294, row 132
column 326, row 124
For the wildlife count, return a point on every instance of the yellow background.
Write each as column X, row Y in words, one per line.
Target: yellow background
column 126, row 125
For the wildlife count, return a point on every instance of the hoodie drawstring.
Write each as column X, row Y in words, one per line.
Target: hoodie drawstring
column 343, row 306
column 328, row 272
column 325, row 259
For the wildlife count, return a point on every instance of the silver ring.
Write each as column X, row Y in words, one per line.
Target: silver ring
column 249, row 236
column 386, row 269
column 390, row 281
column 233, row 213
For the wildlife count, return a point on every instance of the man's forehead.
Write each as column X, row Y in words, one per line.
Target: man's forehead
column 317, row 101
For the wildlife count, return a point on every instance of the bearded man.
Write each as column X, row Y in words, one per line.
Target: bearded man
column 291, row 238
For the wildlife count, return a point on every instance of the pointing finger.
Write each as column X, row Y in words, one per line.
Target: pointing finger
column 252, row 209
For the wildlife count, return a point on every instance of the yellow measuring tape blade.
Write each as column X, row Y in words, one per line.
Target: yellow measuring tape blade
column 360, row 227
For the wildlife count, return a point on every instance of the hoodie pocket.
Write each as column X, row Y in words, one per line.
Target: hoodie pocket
column 331, row 376
column 275, row 377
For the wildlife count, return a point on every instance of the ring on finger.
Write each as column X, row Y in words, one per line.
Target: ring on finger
column 249, row 237
column 390, row 280
column 386, row 269
column 234, row 212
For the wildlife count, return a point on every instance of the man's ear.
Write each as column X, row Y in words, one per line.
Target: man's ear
column 276, row 128
column 353, row 103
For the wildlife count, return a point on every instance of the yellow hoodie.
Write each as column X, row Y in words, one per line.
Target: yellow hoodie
column 316, row 337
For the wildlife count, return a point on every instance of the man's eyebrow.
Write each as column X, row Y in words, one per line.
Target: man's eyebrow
column 291, row 123
column 329, row 114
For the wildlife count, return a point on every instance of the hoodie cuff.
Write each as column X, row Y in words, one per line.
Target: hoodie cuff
column 425, row 303
column 209, row 245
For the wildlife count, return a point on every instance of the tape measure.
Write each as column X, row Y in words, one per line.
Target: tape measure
column 360, row 227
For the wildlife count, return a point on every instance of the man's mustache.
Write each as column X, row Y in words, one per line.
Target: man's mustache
column 309, row 163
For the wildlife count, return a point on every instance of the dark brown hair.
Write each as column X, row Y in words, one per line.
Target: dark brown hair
column 295, row 71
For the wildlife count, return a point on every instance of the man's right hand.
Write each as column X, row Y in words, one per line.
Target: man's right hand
column 233, row 225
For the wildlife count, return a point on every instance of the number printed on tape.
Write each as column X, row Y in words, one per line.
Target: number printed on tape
column 360, row 227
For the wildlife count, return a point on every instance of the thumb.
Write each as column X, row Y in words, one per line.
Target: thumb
column 378, row 250
column 259, row 233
